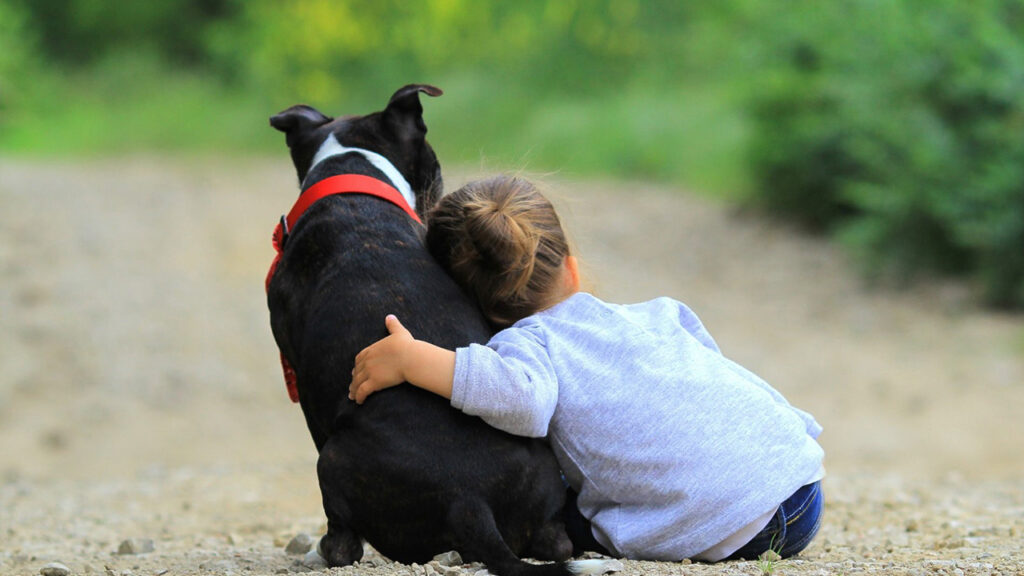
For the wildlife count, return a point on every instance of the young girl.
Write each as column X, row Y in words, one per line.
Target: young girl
column 674, row 450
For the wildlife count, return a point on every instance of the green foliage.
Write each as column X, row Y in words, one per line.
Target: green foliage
column 100, row 76
column 327, row 51
column 16, row 59
column 597, row 86
column 893, row 125
column 898, row 126
column 85, row 31
column 132, row 102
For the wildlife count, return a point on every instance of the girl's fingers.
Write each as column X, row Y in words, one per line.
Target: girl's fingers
column 358, row 377
column 363, row 392
column 394, row 326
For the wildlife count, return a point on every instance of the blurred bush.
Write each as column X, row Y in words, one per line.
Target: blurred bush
column 893, row 125
column 16, row 55
column 80, row 32
column 898, row 126
column 326, row 51
column 606, row 87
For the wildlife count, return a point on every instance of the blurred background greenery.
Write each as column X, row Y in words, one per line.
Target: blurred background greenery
column 893, row 126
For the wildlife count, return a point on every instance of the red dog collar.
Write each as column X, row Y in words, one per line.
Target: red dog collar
column 341, row 184
column 347, row 184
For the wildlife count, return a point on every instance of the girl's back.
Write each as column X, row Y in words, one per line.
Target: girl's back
column 673, row 446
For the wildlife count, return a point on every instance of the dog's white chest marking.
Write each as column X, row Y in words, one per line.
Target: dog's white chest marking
column 331, row 147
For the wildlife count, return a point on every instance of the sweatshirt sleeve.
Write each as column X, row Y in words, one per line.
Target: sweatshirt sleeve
column 509, row 383
column 692, row 324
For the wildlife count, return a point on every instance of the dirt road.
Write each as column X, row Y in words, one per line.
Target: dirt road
column 140, row 396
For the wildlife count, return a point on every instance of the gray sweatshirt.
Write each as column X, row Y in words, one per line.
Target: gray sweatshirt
column 672, row 447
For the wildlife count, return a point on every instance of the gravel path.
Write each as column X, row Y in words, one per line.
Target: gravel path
column 141, row 404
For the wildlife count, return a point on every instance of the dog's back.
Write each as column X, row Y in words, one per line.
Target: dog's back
column 398, row 461
column 405, row 471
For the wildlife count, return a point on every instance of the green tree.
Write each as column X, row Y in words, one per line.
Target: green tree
column 898, row 126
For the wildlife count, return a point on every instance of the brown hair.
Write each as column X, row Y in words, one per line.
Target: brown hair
column 502, row 242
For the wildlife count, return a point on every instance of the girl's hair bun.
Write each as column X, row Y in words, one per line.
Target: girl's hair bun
column 501, row 239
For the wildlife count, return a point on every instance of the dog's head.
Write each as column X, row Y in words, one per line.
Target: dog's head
column 397, row 133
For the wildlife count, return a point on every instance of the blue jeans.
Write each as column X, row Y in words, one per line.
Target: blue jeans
column 794, row 525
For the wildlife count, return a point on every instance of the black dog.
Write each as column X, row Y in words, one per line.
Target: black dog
column 405, row 471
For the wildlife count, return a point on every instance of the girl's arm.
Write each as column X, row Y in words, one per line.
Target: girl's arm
column 401, row 358
column 514, row 390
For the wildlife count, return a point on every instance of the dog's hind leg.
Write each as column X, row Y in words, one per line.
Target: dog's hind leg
column 478, row 540
column 341, row 546
column 551, row 542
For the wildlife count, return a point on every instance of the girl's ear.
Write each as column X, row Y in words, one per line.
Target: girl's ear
column 572, row 274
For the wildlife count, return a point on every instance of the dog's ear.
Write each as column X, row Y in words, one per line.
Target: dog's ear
column 404, row 111
column 300, row 118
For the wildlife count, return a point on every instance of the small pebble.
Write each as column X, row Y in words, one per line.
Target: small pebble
column 371, row 561
column 135, row 546
column 55, row 569
column 301, row 544
column 770, row 556
column 450, row 558
column 219, row 566
column 314, row 560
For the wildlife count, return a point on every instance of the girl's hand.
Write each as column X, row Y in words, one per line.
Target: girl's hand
column 381, row 365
